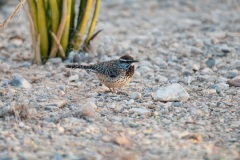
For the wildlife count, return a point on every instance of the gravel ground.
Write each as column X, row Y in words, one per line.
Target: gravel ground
column 191, row 48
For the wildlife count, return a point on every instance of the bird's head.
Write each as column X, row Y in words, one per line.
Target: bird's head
column 126, row 61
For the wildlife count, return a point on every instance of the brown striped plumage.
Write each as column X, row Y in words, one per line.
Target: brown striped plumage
column 114, row 73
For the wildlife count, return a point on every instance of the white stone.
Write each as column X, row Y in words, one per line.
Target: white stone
column 73, row 78
column 140, row 111
column 20, row 82
column 136, row 95
column 173, row 92
column 4, row 67
column 61, row 129
column 196, row 67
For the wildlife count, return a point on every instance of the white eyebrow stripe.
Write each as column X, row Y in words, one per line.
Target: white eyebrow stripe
column 126, row 60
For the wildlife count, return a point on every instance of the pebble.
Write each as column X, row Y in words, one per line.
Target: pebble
column 131, row 101
column 20, row 82
column 161, row 79
column 51, row 108
column 235, row 64
column 173, row 92
column 220, row 87
column 88, row 109
column 73, row 78
column 140, row 111
column 210, row 62
column 224, row 48
column 4, row 67
column 210, row 91
column 26, row 64
column 60, row 129
column 196, row 67
column 56, row 60
column 144, row 69
column 57, row 103
column 232, row 74
column 176, row 104
column 207, row 71
column 21, row 124
column 234, row 82
column 136, row 95
column 195, row 50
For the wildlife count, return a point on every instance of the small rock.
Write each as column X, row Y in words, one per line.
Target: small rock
column 57, row 103
column 140, row 111
column 235, row 64
column 234, row 82
column 195, row 50
column 73, row 78
column 232, row 74
column 220, row 87
column 173, row 92
column 196, row 67
column 198, row 43
column 210, row 91
column 56, row 60
column 210, row 62
column 131, row 101
column 4, row 67
column 225, row 49
column 144, row 69
column 176, row 104
column 21, row 124
column 161, row 79
column 88, row 109
column 207, row 71
column 26, row 64
column 61, row 129
column 20, row 82
column 121, row 140
column 51, row 108
column 17, row 42
column 135, row 95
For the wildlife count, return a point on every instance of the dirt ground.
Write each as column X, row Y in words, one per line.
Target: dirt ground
column 66, row 114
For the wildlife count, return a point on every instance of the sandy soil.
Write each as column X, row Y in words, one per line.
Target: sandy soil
column 193, row 43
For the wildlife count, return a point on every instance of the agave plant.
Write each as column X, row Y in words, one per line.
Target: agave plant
column 58, row 27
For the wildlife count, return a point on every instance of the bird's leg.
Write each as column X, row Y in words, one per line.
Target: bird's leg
column 110, row 89
column 114, row 91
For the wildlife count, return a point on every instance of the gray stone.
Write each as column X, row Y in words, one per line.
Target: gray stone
column 234, row 82
column 56, row 60
column 235, row 64
column 4, row 67
column 220, row 87
column 173, row 92
column 195, row 50
column 73, row 78
column 210, row 62
column 232, row 74
column 140, row 111
column 20, row 82
column 196, row 67
column 136, row 95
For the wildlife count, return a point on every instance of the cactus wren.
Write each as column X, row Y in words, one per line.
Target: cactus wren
column 113, row 73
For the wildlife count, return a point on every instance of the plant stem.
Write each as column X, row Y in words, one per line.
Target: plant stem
column 54, row 48
column 65, row 36
column 43, row 30
column 33, row 10
column 54, row 15
column 94, row 20
column 83, row 25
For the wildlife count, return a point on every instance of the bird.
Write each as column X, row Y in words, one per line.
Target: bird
column 114, row 73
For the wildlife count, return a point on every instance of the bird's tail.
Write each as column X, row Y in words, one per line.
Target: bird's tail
column 89, row 68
